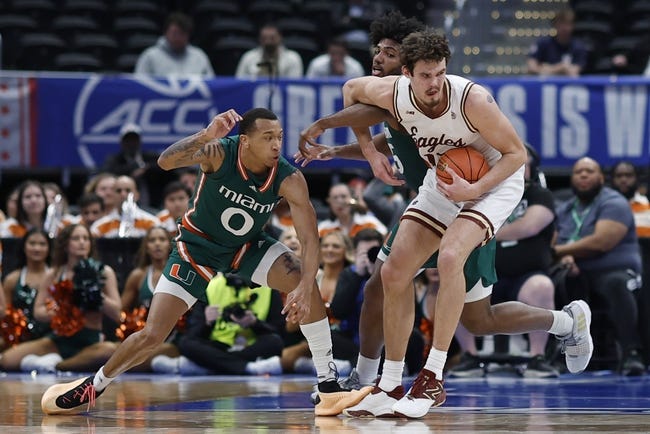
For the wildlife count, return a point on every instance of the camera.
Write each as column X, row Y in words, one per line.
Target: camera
column 372, row 253
column 237, row 309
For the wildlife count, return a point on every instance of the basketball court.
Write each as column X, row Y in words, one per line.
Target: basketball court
column 136, row 403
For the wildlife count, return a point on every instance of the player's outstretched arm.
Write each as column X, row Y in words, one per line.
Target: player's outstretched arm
column 294, row 190
column 201, row 148
column 351, row 151
column 357, row 115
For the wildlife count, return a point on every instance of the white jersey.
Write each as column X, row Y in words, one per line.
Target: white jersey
column 452, row 129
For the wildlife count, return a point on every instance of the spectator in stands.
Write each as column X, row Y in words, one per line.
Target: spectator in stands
column 559, row 54
column 386, row 202
column 30, row 212
column 11, row 206
column 136, row 298
column 281, row 219
column 597, row 240
column 21, row 285
column 188, row 177
column 271, row 58
column 290, row 239
column 176, row 198
column 636, row 61
column 91, row 208
column 337, row 62
column 128, row 220
column 57, row 213
column 173, row 54
column 344, row 216
column 236, row 333
column 139, row 164
column 625, row 180
column 51, row 190
column 85, row 291
column 522, row 276
column 103, row 185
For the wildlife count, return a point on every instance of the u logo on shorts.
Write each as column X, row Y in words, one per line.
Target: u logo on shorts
column 187, row 280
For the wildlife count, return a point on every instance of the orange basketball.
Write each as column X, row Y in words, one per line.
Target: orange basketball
column 467, row 162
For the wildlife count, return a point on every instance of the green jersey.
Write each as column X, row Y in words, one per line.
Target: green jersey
column 231, row 205
column 405, row 154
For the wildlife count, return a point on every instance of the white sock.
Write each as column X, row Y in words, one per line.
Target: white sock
column 562, row 323
column 391, row 375
column 101, row 381
column 320, row 344
column 436, row 362
column 367, row 369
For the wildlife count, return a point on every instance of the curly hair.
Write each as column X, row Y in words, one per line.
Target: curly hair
column 426, row 45
column 393, row 26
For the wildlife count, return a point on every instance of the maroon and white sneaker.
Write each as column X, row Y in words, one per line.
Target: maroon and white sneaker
column 427, row 391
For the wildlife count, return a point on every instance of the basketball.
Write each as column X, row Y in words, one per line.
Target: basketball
column 467, row 162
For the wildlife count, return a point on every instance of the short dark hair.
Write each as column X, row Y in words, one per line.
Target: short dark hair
column 175, row 186
column 368, row 234
column 625, row 163
column 393, row 26
column 247, row 123
column 90, row 198
column 425, row 45
column 181, row 20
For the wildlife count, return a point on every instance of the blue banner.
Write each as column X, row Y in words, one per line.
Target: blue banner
column 77, row 118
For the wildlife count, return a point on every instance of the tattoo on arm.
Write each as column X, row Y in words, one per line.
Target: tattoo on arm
column 185, row 149
column 291, row 263
column 211, row 150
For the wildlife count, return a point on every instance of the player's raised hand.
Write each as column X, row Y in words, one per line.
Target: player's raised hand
column 222, row 124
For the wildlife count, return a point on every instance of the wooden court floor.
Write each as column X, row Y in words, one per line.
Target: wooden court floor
column 591, row 402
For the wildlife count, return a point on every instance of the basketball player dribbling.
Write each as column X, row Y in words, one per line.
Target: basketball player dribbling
column 242, row 178
column 457, row 217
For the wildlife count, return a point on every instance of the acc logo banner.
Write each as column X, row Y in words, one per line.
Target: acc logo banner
column 165, row 109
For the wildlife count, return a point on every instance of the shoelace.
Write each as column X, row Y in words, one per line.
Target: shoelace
column 88, row 392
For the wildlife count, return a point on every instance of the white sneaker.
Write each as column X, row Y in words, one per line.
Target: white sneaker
column 165, row 365
column 304, row 365
column 378, row 403
column 188, row 367
column 42, row 364
column 578, row 345
column 426, row 392
column 270, row 366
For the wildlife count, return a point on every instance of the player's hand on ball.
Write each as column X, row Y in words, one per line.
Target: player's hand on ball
column 459, row 190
